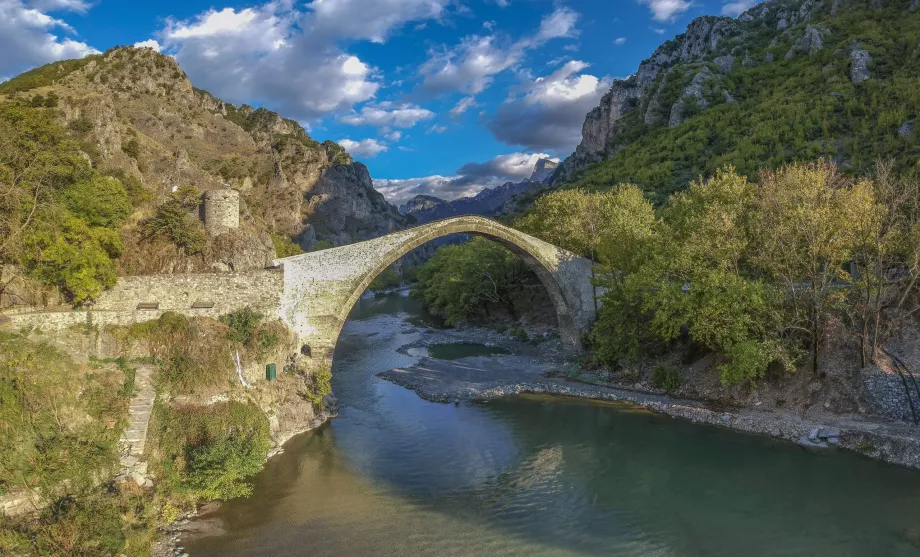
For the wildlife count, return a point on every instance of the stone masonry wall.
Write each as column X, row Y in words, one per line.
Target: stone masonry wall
column 221, row 210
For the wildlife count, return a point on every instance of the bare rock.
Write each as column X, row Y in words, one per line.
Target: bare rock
column 811, row 42
column 914, row 4
column 725, row 63
column 768, row 57
column 907, row 128
column 692, row 93
column 859, row 65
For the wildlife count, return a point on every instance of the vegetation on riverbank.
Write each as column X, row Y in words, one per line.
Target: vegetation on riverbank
column 755, row 272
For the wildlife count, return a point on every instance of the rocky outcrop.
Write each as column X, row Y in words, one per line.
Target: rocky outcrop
column 146, row 122
column 692, row 95
column 543, row 170
column 810, row 42
column 702, row 38
column 907, row 128
column 859, row 65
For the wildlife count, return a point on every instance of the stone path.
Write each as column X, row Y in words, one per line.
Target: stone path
column 131, row 445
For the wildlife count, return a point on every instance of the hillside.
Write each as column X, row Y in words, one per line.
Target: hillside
column 788, row 80
column 135, row 117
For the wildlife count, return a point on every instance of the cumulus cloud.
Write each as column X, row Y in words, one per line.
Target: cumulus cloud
column 287, row 59
column 393, row 135
column 150, row 43
column 734, row 9
column 619, row 41
column 367, row 148
column 666, row 10
column 470, row 66
column 30, row 37
column 470, row 179
column 388, row 114
column 549, row 113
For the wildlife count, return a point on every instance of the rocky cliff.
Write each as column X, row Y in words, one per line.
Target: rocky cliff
column 787, row 79
column 137, row 117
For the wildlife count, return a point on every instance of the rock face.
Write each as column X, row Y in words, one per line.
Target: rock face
column 702, row 38
column 859, row 65
column 420, row 203
column 288, row 183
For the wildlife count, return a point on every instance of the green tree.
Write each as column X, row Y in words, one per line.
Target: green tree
column 463, row 281
column 100, row 201
column 386, row 280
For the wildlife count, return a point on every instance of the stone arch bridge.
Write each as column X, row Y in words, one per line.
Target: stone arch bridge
column 313, row 293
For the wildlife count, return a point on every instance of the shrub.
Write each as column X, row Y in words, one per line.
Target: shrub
column 100, row 201
column 211, row 451
column 385, row 280
column 285, row 246
column 243, row 324
column 81, row 125
column 321, row 245
column 174, row 221
column 319, row 384
column 132, row 148
column 666, row 377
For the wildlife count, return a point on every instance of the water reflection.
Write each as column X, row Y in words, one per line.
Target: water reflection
column 395, row 475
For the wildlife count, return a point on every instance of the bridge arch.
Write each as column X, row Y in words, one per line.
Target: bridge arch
column 320, row 288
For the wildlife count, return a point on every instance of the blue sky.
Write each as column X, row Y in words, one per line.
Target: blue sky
column 443, row 97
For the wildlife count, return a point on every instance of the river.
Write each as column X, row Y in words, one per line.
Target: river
column 396, row 475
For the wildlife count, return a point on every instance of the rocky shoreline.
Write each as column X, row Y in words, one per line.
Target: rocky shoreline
column 485, row 378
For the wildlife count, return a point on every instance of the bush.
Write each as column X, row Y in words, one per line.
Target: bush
column 211, row 451
column 243, row 324
column 132, row 148
column 321, row 245
column 386, row 280
column 285, row 246
column 101, row 201
column 173, row 220
column 81, row 125
column 666, row 377
column 319, row 384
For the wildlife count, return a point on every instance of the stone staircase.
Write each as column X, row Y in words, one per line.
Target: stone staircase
column 131, row 445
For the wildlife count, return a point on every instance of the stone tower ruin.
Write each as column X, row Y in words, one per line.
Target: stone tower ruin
column 221, row 210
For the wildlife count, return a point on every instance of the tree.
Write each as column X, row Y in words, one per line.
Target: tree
column 462, row 281
column 807, row 229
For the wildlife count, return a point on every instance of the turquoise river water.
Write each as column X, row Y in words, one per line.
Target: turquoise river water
column 396, row 475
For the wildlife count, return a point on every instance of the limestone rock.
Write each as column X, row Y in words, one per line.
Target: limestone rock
column 859, row 65
column 692, row 93
column 768, row 57
column 907, row 128
column 725, row 63
column 811, row 42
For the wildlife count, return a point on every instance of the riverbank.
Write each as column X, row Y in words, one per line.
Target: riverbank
column 486, row 378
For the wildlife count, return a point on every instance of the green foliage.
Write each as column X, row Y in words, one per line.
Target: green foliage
column 210, row 451
column 666, row 377
column 800, row 108
column 45, row 75
column 463, row 281
column 175, row 220
column 386, row 280
column 336, row 153
column 58, row 424
column 132, row 148
column 321, row 245
column 76, row 257
column 319, row 384
column 285, row 246
column 243, row 324
column 58, row 216
column 81, row 125
column 101, row 201
column 410, row 274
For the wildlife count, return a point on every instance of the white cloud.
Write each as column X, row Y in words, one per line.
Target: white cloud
column 437, row 128
column 462, row 106
column 287, row 59
column 367, row 148
column 388, row 114
column 734, row 9
column 550, row 112
column 620, row 40
column 658, row 31
column 470, row 66
column 559, row 24
column 666, row 10
column 373, row 21
column 469, row 179
column 28, row 35
column 149, row 43
column 393, row 135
